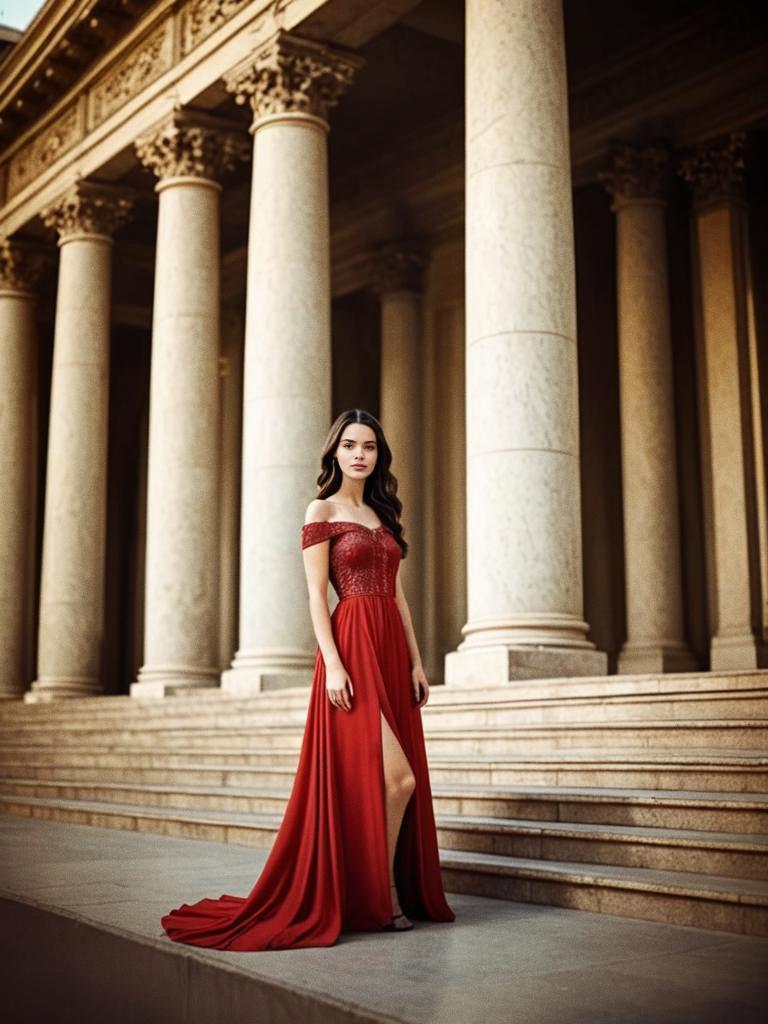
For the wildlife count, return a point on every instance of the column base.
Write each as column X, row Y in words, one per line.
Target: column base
column 245, row 682
column 735, row 652
column 43, row 691
column 496, row 666
column 636, row 658
column 167, row 682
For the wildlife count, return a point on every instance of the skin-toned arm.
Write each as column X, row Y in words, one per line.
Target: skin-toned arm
column 316, row 569
column 316, row 556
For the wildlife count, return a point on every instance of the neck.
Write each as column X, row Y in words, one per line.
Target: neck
column 351, row 492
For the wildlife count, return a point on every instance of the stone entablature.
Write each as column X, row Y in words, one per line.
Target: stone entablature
column 166, row 47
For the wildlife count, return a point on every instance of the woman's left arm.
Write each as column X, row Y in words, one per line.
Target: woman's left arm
column 418, row 678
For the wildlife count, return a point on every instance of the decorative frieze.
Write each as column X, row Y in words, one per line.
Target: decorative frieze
column 189, row 144
column 21, row 264
column 292, row 75
column 637, row 172
column 88, row 208
column 201, row 18
column 49, row 145
column 716, row 169
column 145, row 62
column 400, row 268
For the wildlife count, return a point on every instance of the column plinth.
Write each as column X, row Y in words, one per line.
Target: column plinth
column 638, row 180
column 188, row 152
column 20, row 268
column 71, row 632
column 290, row 84
column 523, row 485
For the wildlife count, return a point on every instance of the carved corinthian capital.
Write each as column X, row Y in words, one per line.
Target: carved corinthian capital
column 88, row 208
column 637, row 172
column 189, row 144
column 292, row 75
column 21, row 265
column 716, row 169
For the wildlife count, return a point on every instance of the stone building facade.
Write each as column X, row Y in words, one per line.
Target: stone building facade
column 528, row 235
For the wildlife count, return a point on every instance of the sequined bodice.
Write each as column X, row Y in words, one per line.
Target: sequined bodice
column 362, row 560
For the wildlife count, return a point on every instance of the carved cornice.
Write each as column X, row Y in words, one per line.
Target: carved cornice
column 716, row 169
column 88, row 208
column 400, row 267
column 292, row 75
column 21, row 265
column 201, row 18
column 637, row 172
column 188, row 144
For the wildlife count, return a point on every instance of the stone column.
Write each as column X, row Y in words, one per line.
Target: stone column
column 20, row 268
column 231, row 373
column 188, row 153
column 638, row 181
column 400, row 285
column 730, row 432
column 291, row 84
column 524, row 554
column 71, row 631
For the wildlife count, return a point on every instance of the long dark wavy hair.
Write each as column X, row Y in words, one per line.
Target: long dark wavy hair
column 380, row 488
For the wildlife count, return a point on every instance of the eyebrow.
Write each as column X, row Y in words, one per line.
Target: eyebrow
column 352, row 439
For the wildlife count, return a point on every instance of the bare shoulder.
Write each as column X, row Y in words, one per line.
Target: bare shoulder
column 318, row 511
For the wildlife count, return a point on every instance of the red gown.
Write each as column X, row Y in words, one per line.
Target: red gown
column 327, row 870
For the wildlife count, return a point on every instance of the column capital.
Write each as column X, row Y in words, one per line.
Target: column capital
column 21, row 265
column 715, row 169
column 191, row 144
column 88, row 208
column 637, row 172
column 292, row 75
column 400, row 267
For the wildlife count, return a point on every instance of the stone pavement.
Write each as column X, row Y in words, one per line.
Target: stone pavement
column 81, row 941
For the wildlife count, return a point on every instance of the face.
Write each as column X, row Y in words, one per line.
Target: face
column 357, row 450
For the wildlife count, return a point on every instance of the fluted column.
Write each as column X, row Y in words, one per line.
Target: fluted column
column 638, row 181
column 188, row 153
column 524, row 556
column 291, row 84
column 71, row 633
column 400, row 285
column 730, row 421
column 20, row 268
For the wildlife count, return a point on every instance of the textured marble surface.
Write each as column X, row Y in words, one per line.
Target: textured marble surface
column 286, row 391
column 652, row 563
column 182, row 586
column 720, row 241
column 18, row 407
column 72, row 587
column 523, row 489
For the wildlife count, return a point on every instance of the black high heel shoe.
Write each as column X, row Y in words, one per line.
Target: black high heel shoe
column 393, row 926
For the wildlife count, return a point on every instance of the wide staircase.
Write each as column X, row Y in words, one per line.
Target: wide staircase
column 643, row 796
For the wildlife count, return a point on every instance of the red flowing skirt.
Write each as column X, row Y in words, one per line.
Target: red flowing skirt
column 327, row 870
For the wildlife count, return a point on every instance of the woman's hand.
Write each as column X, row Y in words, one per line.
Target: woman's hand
column 420, row 683
column 336, row 682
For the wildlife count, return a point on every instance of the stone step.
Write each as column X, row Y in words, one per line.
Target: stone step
column 120, row 707
column 751, row 704
column 727, row 854
column 742, row 771
column 702, row 900
column 237, row 790
column 676, row 897
column 668, row 734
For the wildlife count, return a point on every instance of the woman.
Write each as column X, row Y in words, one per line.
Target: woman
column 357, row 848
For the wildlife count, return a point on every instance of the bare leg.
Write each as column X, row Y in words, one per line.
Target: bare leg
column 399, row 784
